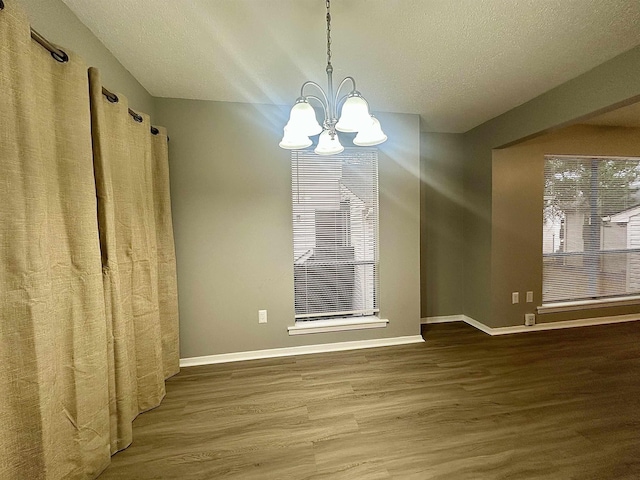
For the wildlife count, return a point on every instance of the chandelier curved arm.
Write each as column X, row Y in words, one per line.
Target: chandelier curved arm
column 353, row 82
column 319, row 100
column 326, row 104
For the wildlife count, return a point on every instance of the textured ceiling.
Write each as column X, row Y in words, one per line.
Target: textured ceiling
column 457, row 63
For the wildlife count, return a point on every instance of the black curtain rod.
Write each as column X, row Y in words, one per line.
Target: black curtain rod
column 113, row 98
column 56, row 53
column 61, row 56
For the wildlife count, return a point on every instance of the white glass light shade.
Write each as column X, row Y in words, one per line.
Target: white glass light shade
column 370, row 136
column 355, row 115
column 303, row 120
column 328, row 145
column 293, row 140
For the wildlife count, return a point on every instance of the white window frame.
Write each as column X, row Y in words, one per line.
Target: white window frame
column 595, row 301
column 308, row 200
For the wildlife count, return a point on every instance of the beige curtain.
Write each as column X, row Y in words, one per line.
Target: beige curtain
column 88, row 302
column 53, row 369
column 136, row 236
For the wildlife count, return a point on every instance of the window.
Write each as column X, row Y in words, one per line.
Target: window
column 591, row 232
column 335, row 233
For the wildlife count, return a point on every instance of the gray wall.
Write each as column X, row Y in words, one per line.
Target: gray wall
column 518, row 188
column 232, row 209
column 58, row 24
column 613, row 83
column 441, row 232
column 231, row 197
column 476, row 268
column 232, row 190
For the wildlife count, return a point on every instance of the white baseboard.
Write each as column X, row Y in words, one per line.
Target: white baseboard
column 481, row 326
column 387, row 342
column 302, row 350
column 584, row 322
column 443, row 319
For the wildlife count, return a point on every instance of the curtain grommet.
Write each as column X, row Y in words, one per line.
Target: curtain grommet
column 60, row 56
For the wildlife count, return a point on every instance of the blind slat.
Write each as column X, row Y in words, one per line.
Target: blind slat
column 335, row 232
column 591, row 228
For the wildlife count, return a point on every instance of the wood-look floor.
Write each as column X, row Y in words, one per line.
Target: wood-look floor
column 561, row 404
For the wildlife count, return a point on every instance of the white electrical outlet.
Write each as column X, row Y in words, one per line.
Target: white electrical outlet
column 529, row 297
column 529, row 319
column 262, row 316
column 515, row 297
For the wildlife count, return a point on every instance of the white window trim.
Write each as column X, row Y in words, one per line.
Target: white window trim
column 336, row 325
column 600, row 302
column 589, row 304
column 341, row 316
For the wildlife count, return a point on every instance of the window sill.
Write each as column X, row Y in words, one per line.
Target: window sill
column 588, row 304
column 336, row 325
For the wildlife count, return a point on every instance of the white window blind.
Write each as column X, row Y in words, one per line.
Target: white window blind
column 591, row 228
column 335, row 233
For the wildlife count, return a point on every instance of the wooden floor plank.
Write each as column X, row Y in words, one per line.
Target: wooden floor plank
column 561, row 404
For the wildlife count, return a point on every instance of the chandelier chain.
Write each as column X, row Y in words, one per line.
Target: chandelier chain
column 328, row 32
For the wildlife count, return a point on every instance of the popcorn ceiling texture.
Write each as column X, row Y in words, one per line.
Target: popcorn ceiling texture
column 456, row 63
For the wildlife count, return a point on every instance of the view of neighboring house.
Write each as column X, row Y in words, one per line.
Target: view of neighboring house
column 335, row 226
column 564, row 236
column 624, row 228
column 591, row 228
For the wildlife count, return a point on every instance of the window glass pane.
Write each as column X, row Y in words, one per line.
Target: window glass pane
column 591, row 228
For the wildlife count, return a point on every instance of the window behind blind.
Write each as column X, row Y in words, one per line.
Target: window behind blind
column 591, row 228
column 335, row 233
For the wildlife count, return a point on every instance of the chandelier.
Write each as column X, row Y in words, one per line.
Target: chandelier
column 354, row 118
